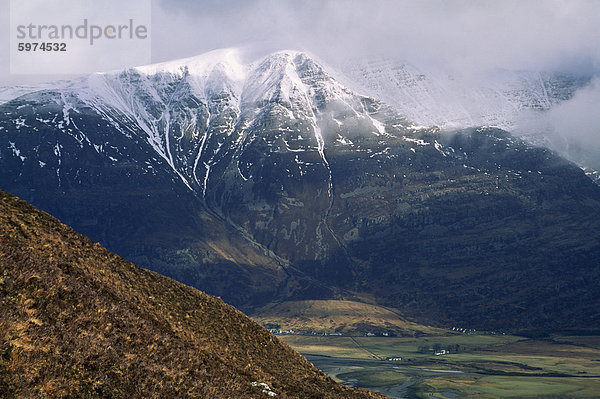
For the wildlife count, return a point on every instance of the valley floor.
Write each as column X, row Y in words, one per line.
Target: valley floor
column 491, row 366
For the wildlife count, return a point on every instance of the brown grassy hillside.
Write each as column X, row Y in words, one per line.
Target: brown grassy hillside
column 79, row 321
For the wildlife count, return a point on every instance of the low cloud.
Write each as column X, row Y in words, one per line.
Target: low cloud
column 549, row 34
column 571, row 127
column 464, row 35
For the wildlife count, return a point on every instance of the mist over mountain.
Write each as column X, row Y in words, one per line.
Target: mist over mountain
column 549, row 108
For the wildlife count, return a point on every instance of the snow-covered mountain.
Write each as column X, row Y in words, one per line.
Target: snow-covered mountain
column 427, row 97
column 283, row 178
column 188, row 109
column 208, row 119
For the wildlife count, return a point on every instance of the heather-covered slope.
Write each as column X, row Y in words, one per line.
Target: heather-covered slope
column 79, row 321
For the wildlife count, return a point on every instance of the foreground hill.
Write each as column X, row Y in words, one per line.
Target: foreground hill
column 79, row 321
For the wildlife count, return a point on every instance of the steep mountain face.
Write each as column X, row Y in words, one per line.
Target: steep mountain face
column 79, row 321
column 96, row 153
column 433, row 97
column 275, row 177
column 522, row 102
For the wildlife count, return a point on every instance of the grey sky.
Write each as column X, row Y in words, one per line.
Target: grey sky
column 461, row 34
column 525, row 34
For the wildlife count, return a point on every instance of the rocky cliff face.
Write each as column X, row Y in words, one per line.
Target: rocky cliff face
column 275, row 178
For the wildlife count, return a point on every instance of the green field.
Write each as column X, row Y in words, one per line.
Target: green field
column 490, row 366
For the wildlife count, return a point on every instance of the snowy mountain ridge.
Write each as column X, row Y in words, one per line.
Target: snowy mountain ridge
column 217, row 95
column 425, row 96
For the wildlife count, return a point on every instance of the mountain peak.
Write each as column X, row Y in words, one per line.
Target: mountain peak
column 228, row 58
